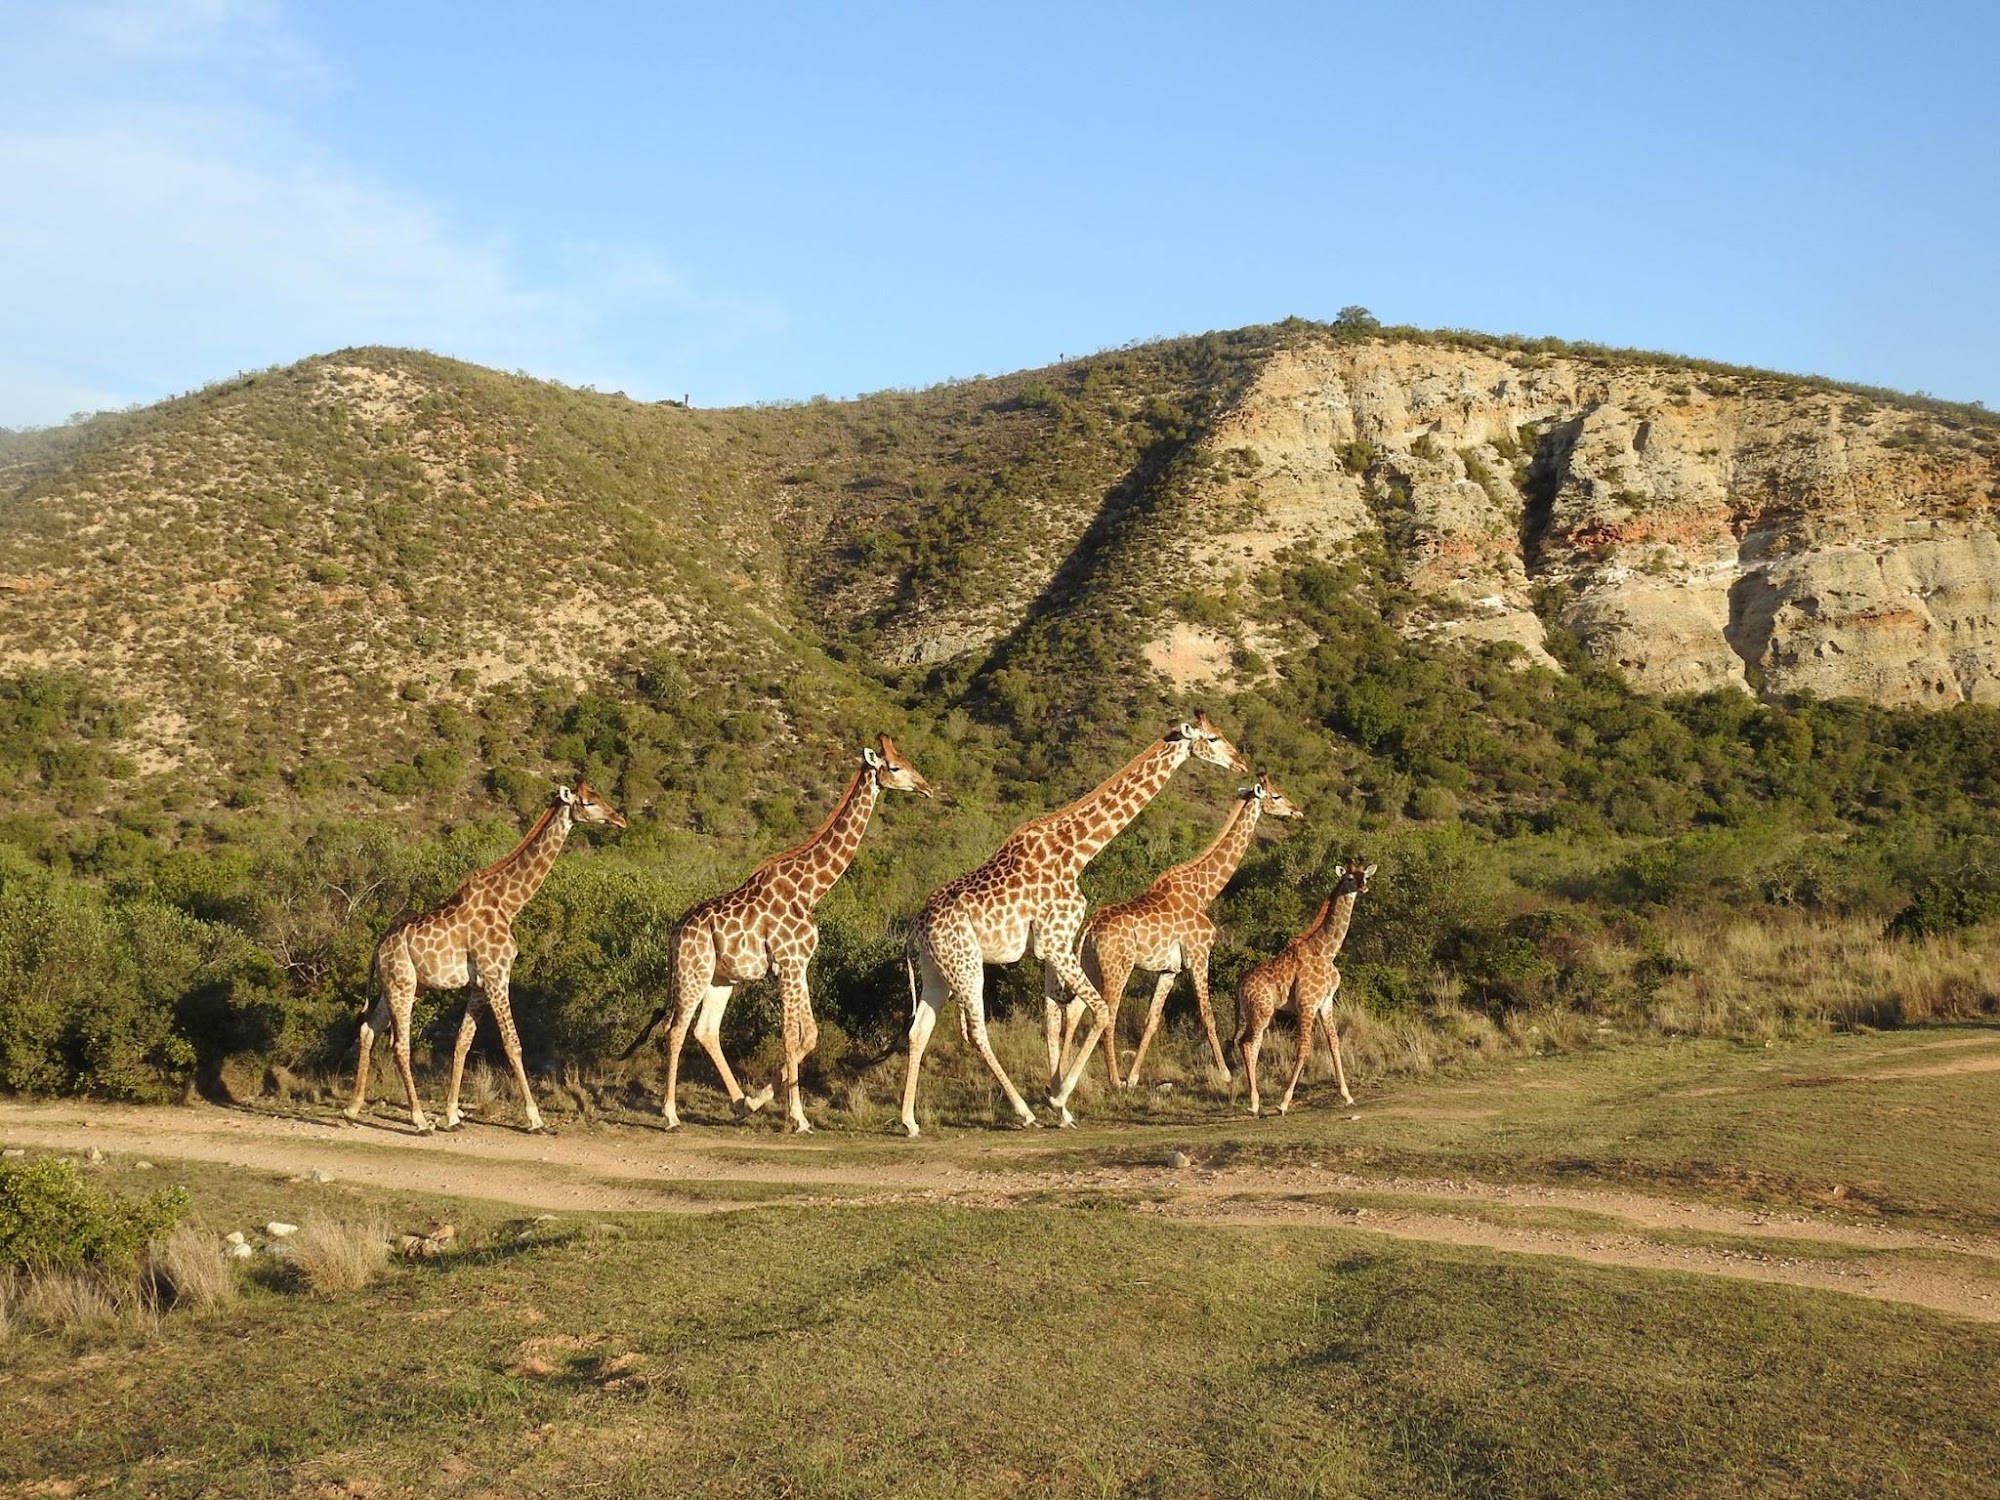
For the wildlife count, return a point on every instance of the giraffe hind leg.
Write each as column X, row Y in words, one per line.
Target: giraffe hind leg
column 373, row 1025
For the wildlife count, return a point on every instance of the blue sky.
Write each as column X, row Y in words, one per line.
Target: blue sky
column 758, row 202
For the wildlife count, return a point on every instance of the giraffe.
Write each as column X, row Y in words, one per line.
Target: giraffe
column 469, row 940
column 1025, row 899
column 766, row 926
column 1301, row 978
column 1167, row 930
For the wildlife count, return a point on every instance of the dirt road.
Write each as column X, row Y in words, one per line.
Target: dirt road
column 608, row 1168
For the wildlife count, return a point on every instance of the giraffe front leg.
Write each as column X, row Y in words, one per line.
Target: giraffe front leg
column 1100, row 1022
column 1333, row 1043
column 497, row 1001
column 800, row 1033
column 1053, row 1031
column 1308, row 1016
column 452, row 1118
column 1198, row 972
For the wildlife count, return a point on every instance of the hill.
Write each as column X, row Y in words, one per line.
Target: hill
column 331, row 628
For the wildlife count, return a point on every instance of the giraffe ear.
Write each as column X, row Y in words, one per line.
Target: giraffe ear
column 564, row 794
column 1369, row 873
column 870, row 759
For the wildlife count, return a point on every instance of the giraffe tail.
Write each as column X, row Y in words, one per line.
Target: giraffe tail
column 645, row 1031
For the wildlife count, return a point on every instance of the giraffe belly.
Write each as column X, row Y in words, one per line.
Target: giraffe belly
column 742, row 965
column 1163, row 958
column 453, row 973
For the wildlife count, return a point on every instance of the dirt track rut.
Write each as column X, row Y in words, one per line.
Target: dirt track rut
column 621, row 1168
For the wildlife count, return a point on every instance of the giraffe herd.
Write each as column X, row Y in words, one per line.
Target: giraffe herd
column 1023, row 902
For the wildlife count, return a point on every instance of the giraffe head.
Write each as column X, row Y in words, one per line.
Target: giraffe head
column 1275, row 804
column 1354, row 878
column 1206, row 743
column 893, row 770
column 587, row 807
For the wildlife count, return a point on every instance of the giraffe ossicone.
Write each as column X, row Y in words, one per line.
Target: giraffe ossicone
column 765, row 926
column 1302, row 977
column 1166, row 931
column 1025, row 901
column 469, row 940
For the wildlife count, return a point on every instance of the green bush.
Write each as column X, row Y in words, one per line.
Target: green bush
column 54, row 1219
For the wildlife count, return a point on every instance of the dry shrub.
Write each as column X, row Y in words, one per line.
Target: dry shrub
column 481, row 1088
column 187, row 1269
column 330, row 1256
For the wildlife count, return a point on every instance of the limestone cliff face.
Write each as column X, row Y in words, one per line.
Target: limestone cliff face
column 1711, row 528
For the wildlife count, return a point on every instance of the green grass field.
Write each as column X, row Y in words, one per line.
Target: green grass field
column 1080, row 1343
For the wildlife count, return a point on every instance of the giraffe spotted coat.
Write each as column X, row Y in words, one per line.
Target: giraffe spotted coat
column 1025, row 901
column 469, row 940
column 1302, row 978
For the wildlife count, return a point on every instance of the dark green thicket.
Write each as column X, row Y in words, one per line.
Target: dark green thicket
column 54, row 1219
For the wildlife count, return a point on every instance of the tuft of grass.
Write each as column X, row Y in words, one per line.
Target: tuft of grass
column 334, row 1255
column 187, row 1269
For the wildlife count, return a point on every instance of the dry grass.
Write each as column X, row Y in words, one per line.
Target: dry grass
column 76, row 1301
column 1767, row 977
column 187, row 1269
column 337, row 1255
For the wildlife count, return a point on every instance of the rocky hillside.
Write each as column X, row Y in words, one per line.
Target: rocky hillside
column 1698, row 528
column 301, row 567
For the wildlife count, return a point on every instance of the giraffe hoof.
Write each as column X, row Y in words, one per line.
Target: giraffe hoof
column 910, row 1131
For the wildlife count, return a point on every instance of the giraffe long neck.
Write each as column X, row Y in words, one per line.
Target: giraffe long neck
column 1208, row 872
column 517, row 877
column 823, row 859
column 1095, row 819
column 1331, row 931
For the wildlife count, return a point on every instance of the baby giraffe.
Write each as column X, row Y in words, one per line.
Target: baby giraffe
column 766, row 926
column 469, row 940
column 1301, row 978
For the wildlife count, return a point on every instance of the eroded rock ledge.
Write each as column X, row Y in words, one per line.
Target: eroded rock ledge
column 1711, row 528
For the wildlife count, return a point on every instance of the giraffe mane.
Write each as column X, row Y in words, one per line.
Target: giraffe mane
column 1228, row 828
column 527, row 839
column 1319, row 918
column 1049, row 819
column 839, row 807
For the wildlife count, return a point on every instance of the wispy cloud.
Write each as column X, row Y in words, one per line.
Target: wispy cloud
column 152, row 245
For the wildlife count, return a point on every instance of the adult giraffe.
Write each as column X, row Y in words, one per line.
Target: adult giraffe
column 765, row 926
column 469, row 939
column 1025, row 900
column 1165, row 930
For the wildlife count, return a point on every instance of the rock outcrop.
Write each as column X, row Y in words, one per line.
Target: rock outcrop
column 1704, row 528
